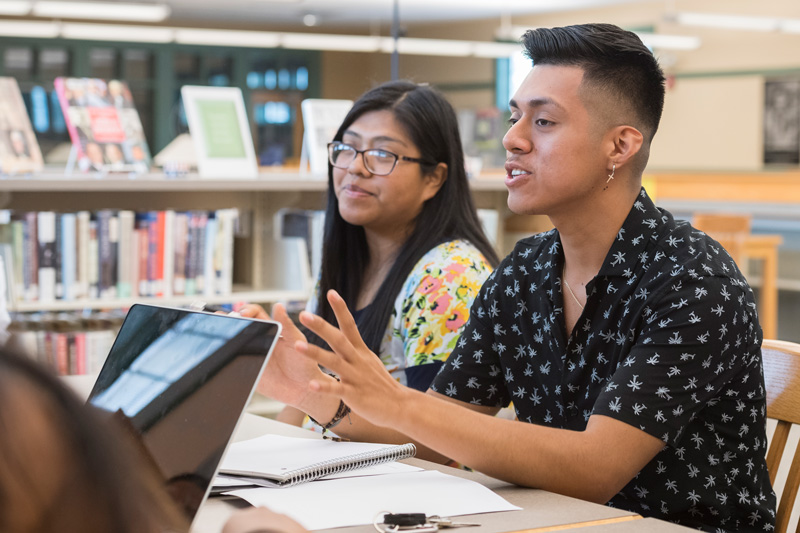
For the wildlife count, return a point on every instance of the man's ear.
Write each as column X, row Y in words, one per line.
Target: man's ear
column 434, row 180
column 625, row 143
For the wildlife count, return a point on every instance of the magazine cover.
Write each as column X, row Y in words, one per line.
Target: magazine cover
column 19, row 151
column 103, row 124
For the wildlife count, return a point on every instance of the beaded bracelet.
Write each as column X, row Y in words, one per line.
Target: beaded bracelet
column 341, row 412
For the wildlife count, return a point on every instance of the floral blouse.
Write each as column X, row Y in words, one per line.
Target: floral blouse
column 431, row 310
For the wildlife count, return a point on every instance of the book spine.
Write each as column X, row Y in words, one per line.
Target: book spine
column 113, row 241
column 144, row 248
column 105, row 262
column 83, row 258
column 158, row 272
column 125, row 254
column 18, row 253
column 72, row 354
column 224, row 243
column 46, row 240
column 59, row 292
column 152, row 253
column 200, row 251
column 69, row 256
column 32, row 255
column 93, row 260
column 80, row 352
column 210, row 256
column 181, row 243
column 61, row 353
column 168, row 254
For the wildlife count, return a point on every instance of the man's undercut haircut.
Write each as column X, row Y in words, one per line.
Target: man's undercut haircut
column 613, row 60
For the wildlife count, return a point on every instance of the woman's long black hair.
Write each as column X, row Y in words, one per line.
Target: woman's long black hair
column 430, row 122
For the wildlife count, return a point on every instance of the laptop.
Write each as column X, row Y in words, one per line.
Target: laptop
column 179, row 380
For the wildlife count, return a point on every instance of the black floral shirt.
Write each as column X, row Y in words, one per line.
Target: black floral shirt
column 669, row 342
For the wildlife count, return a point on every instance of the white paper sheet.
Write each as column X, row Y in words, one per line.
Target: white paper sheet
column 356, row 501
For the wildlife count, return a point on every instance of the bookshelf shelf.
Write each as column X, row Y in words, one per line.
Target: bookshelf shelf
column 171, row 301
column 268, row 181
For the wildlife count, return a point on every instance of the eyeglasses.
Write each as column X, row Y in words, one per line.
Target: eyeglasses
column 378, row 162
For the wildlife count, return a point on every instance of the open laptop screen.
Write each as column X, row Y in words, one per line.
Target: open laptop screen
column 179, row 380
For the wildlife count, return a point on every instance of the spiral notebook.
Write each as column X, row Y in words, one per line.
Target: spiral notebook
column 277, row 460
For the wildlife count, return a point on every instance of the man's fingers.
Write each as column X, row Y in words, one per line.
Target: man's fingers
column 347, row 323
column 322, row 357
column 254, row 311
column 330, row 334
column 329, row 386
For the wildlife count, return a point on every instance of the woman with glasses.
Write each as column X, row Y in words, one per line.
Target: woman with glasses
column 403, row 244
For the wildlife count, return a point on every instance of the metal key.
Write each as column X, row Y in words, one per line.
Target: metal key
column 444, row 522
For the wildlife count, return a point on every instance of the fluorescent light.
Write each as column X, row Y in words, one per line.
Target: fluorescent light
column 15, row 7
column 429, row 47
column 669, row 42
column 490, row 50
column 23, row 28
column 790, row 25
column 729, row 22
column 321, row 41
column 102, row 11
column 117, row 32
column 256, row 39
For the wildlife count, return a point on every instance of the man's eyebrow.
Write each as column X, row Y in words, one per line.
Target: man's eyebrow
column 537, row 102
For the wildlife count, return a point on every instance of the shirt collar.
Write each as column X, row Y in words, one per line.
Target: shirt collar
column 644, row 222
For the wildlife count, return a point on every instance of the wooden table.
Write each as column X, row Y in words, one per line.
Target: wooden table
column 541, row 510
column 644, row 525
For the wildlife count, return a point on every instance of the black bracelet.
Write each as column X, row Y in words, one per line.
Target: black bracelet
column 341, row 412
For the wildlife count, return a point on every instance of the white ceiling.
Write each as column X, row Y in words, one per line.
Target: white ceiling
column 365, row 13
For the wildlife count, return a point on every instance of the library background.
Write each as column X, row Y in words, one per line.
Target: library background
column 84, row 234
column 729, row 144
column 172, row 151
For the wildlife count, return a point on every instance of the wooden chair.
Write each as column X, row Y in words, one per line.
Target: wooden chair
column 729, row 230
column 782, row 378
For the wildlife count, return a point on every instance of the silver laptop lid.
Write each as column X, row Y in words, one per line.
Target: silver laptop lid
column 180, row 380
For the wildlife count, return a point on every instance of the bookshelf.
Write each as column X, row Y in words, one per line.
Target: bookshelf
column 261, row 272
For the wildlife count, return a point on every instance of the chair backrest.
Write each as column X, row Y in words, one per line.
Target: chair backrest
column 782, row 378
column 728, row 229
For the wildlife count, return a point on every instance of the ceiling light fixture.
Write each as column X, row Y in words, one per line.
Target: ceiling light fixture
column 669, row 42
column 250, row 39
column 15, row 7
column 727, row 22
column 44, row 30
column 117, row 32
column 653, row 40
column 102, row 11
column 254, row 39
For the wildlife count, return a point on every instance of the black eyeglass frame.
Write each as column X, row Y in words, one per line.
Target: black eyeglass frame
column 397, row 157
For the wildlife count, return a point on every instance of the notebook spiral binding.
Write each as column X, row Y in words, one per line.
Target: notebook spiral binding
column 362, row 460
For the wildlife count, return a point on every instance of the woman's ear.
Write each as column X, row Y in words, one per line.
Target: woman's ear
column 434, row 180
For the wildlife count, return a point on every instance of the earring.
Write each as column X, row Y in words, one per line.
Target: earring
column 611, row 176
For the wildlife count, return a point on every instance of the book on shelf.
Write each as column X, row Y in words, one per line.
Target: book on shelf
column 103, row 124
column 67, row 342
column 120, row 254
column 19, row 150
column 277, row 460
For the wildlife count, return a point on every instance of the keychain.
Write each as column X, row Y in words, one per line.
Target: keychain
column 414, row 522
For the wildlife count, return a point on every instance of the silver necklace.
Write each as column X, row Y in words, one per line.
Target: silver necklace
column 564, row 278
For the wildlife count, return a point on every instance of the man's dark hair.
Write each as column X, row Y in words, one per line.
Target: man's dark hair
column 614, row 61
